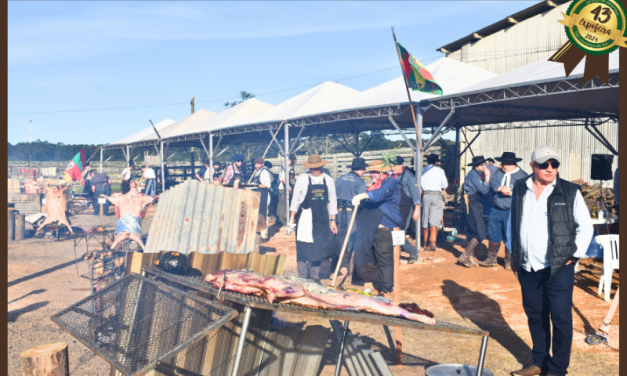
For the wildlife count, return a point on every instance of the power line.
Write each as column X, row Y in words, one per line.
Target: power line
column 488, row 54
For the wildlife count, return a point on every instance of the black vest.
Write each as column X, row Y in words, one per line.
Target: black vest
column 562, row 228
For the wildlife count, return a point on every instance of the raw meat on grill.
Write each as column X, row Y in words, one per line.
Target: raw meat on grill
column 368, row 304
column 271, row 288
column 310, row 302
column 56, row 205
column 278, row 287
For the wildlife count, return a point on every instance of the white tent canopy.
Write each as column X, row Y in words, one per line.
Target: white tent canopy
column 181, row 125
column 143, row 133
column 233, row 115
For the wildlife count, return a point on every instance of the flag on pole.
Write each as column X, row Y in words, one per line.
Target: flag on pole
column 74, row 169
column 418, row 77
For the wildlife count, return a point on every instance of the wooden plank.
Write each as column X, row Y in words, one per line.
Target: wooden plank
column 397, row 301
column 310, row 351
column 134, row 263
column 365, row 354
column 380, row 363
column 281, row 265
column 285, row 351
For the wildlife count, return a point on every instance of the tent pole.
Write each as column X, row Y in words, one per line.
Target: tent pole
column 456, row 164
column 211, row 153
column 162, row 169
column 101, row 156
column 128, row 155
column 418, row 165
column 286, row 166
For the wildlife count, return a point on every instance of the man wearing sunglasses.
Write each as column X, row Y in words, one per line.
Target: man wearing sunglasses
column 549, row 229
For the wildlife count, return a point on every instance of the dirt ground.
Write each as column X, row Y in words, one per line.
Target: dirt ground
column 42, row 279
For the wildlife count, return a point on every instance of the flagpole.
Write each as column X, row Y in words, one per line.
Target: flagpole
column 418, row 151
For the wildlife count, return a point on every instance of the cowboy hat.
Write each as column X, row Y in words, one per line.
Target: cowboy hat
column 398, row 161
column 314, row 161
column 358, row 164
column 433, row 157
column 477, row 160
column 377, row 166
column 508, row 157
column 258, row 160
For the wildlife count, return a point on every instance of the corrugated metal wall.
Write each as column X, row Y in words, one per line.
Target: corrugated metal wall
column 523, row 43
column 575, row 145
column 200, row 217
column 528, row 41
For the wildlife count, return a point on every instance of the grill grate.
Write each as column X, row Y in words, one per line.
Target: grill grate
column 136, row 322
column 198, row 283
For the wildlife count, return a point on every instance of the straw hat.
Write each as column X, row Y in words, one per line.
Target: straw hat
column 314, row 161
column 377, row 166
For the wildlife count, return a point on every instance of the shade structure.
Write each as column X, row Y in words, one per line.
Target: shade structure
column 176, row 127
column 537, row 91
column 139, row 135
column 233, row 115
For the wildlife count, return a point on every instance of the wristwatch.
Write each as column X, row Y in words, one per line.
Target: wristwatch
column 331, row 220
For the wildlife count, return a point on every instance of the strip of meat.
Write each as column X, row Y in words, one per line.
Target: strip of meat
column 278, row 287
column 310, row 302
column 239, row 288
column 245, row 282
column 368, row 304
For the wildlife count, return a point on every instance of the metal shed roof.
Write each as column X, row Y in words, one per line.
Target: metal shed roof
column 204, row 218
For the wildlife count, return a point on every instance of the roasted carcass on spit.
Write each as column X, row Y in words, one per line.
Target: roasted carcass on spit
column 282, row 290
column 56, row 205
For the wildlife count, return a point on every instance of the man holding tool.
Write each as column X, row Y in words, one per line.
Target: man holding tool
column 313, row 208
column 377, row 218
column 347, row 186
column 477, row 185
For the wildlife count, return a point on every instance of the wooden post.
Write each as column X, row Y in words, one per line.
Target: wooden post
column 397, row 301
column 46, row 360
column 335, row 168
column 19, row 227
column 11, row 221
column 101, row 215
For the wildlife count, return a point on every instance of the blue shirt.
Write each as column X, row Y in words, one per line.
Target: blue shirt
column 433, row 179
column 534, row 228
column 410, row 186
column 474, row 183
column 390, row 195
column 348, row 186
column 500, row 200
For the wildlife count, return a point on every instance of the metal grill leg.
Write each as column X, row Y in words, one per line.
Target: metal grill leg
column 338, row 366
column 242, row 340
column 484, row 345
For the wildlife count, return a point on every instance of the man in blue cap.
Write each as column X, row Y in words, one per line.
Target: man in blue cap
column 346, row 187
column 233, row 173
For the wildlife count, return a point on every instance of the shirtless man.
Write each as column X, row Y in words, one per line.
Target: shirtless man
column 130, row 209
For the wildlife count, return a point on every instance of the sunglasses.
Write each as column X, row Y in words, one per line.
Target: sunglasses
column 545, row 165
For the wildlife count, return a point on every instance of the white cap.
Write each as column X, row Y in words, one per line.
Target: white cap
column 544, row 153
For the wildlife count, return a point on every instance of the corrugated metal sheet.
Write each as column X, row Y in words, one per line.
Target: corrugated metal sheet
column 199, row 217
column 25, row 203
column 575, row 145
column 530, row 40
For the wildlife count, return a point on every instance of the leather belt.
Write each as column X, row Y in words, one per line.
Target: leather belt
column 384, row 229
column 439, row 193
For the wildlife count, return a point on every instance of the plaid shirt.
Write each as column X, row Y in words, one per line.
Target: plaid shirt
column 229, row 173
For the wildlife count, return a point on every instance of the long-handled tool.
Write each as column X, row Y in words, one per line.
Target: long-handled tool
column 268, row 148
column 606, row 326
column 348, row 234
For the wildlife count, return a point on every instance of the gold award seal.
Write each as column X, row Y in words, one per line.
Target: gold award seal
column 596, row 28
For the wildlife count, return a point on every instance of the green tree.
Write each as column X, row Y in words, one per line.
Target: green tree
column 242, row 94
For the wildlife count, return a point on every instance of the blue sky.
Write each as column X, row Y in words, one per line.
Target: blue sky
column 94, row 55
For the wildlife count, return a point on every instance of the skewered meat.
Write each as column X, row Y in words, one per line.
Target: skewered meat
column 56, row 205
column 271, row 288
column 310, row 302
column 278, row 287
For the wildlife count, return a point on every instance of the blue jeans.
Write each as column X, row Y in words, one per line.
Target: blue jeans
column 497, row 225
column 549, row 302
column 151, row 187
column 105, row 207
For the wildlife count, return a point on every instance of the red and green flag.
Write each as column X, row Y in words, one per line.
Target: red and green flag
column 74, row 168
column 418, row 77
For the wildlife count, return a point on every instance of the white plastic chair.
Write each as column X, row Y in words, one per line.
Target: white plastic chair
column 610, row 262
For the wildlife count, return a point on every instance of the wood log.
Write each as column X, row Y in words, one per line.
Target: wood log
column 397, row 301
column 46, row 360
column 11, row 221
column 20, row 225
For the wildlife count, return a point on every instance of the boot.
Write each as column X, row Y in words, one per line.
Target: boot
column 425, row 236
column 493, row 250
column 432, row 238
column 467, row 258
column 507, row 264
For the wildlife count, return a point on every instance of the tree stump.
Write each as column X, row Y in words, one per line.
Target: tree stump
column 46, row 360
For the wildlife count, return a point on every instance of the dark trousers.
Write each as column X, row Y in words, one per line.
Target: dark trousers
column 105, row 207
column 384, row 260
column 549, row 302
column 126, row 186
column 314, row 269
column 474, row 221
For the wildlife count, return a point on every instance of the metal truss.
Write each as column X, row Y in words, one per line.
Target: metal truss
column 529, row 113
column 578, row 122
column 524, row 91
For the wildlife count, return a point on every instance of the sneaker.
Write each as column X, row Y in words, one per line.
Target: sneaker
column 412, row 259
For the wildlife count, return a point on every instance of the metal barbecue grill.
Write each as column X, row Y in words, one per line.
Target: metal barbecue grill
column 136, row 322
column 251, row 301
